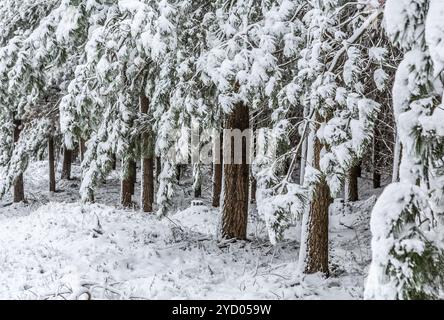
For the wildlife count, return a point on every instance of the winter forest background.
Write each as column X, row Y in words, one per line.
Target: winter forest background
column 105, row 106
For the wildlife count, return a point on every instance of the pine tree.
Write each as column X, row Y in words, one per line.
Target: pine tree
column 406, row 253
column 330, row 69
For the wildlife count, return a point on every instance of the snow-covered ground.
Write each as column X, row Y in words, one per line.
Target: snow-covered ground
column 55, row 248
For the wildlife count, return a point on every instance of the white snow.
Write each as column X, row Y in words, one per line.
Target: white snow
column 55, row 250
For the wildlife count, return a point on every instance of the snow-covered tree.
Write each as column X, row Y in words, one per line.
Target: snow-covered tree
column 407, row 247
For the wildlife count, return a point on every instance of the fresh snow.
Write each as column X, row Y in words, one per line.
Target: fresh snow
column 56, row 250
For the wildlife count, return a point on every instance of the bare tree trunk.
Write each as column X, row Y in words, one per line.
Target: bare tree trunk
column 158, row 167
column 147, row 184
column 51, row 163
column 82, row 148
column 127, row 182
column 376, row 160
column 253, row 182
column 217, row 171
column 114, row 161
column 351, row 190
column 217, row 184
column 147, row 196
column 376, row 179
column 198, row 191
column 314, row 243
column 133, row 175
column 235, row 179
column 359, row 169
column 317, row 244
column 178, row 172
column 67, row 160
column 19, row 192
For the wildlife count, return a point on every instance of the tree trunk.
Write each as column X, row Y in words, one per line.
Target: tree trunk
column 51, row 163
column 235, row 179
column 376, row 179
column 314, row 244
column 158, row 167
column 317, row 241
column 127, row 182
column 133, row 175
column 114, row 161
column 178, row 172
column 67, row 160
column 198, row 190
column 359, row 169
column 351, row 190
column 253, row 182
column 376, row 159
column 217, row 171
column 217, row 184
column 147, row 196
column 19, row 192
column 197, row 176
column 82, row 148
column 147, row 184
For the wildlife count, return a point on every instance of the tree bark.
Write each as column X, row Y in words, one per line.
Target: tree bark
column 133, row 175
column 317, row 241
column 217, row 172
column 376, row 179
column 114, row 161
column 359, row 169
column 178, row 172
column 217, row 184
column 253, row 189
column 147, row 196
column 82, row 148
column 314, row 244
column 351, row 190
column 51, row 163
column 376, row 159
column 158, row 167
column 253, row 182
column 127, row 182
column 19, row 192
column 147, row 184
column 67, row 160
column 235, row 179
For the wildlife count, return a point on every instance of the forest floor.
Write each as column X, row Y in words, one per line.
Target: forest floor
column 54, row 247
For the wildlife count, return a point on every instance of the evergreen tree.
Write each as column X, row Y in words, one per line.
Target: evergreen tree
column 407, row 253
